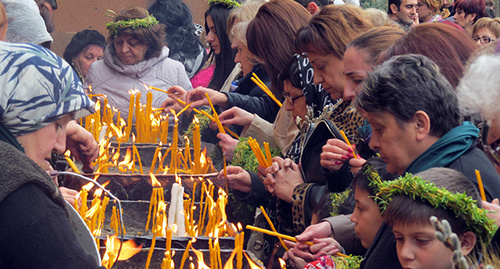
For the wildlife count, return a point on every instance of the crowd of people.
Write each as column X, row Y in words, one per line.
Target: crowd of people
column 415, row 89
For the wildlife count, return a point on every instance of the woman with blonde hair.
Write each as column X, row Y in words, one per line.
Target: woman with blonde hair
column 486, row 30
column 429, row 11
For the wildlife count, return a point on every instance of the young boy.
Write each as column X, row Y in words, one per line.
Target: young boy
column 366, row 217
column 409, row 203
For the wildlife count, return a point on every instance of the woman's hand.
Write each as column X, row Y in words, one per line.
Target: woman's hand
column 237, row 178
column 293, row 260
column 82, row 145
column 493, row 206
column 236, row 115
column 320, row 247
column 70, row 195
column 335, row 153
column 356, row 164
column 198, row 97
column 283, row 182
column 228, row 144
column 175, row 92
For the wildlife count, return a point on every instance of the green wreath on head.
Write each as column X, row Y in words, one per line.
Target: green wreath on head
column 115, row 27
column 226, row 3
column 417, row 188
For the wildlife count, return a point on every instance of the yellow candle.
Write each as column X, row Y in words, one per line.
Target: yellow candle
column 272, row 226
column 348, row 143
column 480, row 185
column 173, row 152
column 186, row 253
column 287, row 237
column 130, row 116
column 216, row 116
column 197, row 149
column 72, row 165
column 138, row 159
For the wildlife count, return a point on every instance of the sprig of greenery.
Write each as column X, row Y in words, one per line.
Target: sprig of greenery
column 203, row 122
column 227, row 3
column 244, row 157
column 417, row 188
column 337, row 199
column 349, row 262
column 115, row 27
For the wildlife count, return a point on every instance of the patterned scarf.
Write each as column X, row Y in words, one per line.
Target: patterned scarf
column 36, row 88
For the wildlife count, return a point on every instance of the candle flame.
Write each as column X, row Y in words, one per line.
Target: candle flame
column 282, row 263
column 201, row 261
column 196, row 120
column 67, row 153
column 129, row 249
column 175, row 115
column 154, row 182
column 87, row 187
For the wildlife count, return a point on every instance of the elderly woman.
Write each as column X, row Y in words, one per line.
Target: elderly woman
column 486, row 30
column 135, row 58
column 40, row 96
column 478, row 91
column 86, row 47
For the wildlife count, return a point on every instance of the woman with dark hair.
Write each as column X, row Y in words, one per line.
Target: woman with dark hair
column 220, row 46
column 134, row 57
column 467, row 12
column 184, row 44
column 447, row 46
column 86, row 47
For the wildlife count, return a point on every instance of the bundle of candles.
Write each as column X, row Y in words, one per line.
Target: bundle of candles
column 264, row 161
column 150, row 127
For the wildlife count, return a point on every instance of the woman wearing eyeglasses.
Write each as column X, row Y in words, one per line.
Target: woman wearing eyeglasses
column 486, row 30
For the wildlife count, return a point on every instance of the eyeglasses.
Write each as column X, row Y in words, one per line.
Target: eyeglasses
column 290, row 99
column 483, row 39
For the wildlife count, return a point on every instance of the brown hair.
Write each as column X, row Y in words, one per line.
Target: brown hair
column 447, row 46
column 3, row 21
column 485, row 22
column 271, row 33
column 332, row 29
column 376, row 41
column 153, row 36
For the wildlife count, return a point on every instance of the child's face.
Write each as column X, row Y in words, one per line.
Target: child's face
column 366, row 217
column 418, row 247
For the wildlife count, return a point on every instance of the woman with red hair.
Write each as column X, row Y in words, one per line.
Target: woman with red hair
column 468, row 12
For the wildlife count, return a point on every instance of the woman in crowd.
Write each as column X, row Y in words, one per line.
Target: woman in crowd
column 184, row 44
column 41, row 95
column 246, row 95
column 135, row 58
column 361, row 56
column 467, row 12
column 85, row 47
column 486, row 30
column 478, row 93
column 430, row 11
column 216, row 18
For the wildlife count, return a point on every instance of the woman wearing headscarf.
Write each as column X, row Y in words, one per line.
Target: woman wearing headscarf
column 40, row 95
